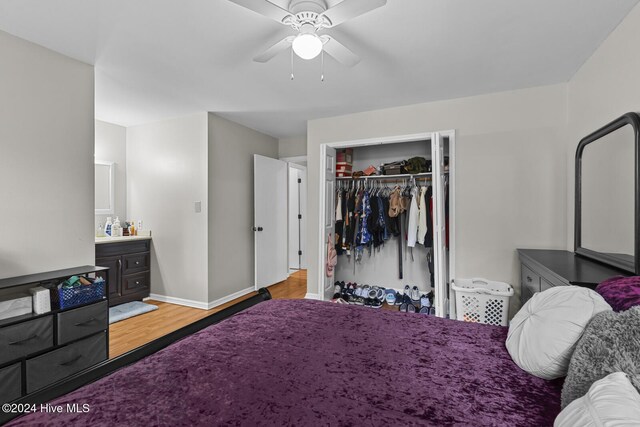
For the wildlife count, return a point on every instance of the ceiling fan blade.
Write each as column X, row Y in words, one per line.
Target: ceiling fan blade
column 264, row 7
column 340, row 52
column 282, row 45
column 349, row 9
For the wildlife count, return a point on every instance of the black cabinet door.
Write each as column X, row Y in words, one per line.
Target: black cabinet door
column 114, row 281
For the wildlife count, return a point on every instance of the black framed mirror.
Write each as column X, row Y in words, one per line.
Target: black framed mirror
column 607, row 209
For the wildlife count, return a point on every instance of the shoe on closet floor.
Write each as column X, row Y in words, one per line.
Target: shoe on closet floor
column 390, row 296
column 399, row 298
column 364, row 293
column 424, row 310
column 407, row 290
column 337, row 290
column 415, row 294
column 407, row 306
column 352, row 289
column 425, row 302
column 376, row 303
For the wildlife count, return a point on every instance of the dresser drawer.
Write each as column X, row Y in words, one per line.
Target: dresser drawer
column 63, row 362
column 544, row 285
column 26, row 338
column 135, row 263
column 122, row 248
column 530, row 279
column 135, row 283
column 82, row 322
column 10, row 383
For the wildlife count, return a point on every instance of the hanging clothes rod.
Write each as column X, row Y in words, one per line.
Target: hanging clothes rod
column 403, row 176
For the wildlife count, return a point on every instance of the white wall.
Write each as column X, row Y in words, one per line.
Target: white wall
column 292, row 147
column 111, row 146
column 230, row 163
column 510, row 162
column 606, row 87
column 46, row 160
column 167, row 174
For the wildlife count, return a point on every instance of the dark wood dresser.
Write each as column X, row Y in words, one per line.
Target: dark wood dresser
column 129, row 263
column 38, row 350
column 541, row 269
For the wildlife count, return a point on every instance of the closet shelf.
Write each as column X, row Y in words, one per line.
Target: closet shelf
column 400, row 176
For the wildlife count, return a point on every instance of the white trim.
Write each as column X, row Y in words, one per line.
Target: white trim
column 380, row 141
column 179, row 301
column 112, row 190
column 294, row 159
column 313, row 296
column 321, row 192
column 228, row 298
column 198, row 304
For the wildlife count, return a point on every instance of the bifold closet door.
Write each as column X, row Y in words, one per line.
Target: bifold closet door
column 270, row 221
column 329, row 225
column 439, row 235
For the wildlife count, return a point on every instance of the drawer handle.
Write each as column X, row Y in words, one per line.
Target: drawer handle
column 72, row 361
column 137, row 262
column 93, row 319
column 24, row 340
column 529, row 279
column 137, row 282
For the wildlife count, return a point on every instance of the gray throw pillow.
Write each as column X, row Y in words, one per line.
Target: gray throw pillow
column 610, row 343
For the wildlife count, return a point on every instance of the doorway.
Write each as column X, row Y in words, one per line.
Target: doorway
column 442, row 177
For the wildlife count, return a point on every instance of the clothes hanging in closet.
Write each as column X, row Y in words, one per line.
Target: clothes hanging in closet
column 412, row 228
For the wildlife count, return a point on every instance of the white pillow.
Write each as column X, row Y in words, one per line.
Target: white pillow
column 611, row 401
column 544, row 333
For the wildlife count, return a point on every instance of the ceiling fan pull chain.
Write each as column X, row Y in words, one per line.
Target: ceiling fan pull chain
column 292, row 63
column 322, row 69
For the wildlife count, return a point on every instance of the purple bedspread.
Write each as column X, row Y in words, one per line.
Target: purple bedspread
column 307, row 363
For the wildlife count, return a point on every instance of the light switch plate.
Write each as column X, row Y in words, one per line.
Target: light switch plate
column 198, row 207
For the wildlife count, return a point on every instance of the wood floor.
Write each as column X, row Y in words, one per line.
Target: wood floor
column 136, row 331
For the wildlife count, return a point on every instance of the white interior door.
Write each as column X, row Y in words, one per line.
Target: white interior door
column 329, row 216
column 270, row 220
column 439, row 237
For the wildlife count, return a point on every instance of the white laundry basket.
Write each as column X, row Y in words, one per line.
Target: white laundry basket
column 482, row 301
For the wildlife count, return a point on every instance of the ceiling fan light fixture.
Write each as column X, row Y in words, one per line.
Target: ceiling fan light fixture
column 307, row 46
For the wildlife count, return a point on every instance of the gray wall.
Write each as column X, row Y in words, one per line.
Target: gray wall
column 167, row 174
column 46, row 161
column 292, row 147
column 231, row 249
column 606, row 87
column 111, row 146
column 510, row 177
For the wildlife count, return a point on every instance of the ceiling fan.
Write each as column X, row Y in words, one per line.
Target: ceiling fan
column 308, row 18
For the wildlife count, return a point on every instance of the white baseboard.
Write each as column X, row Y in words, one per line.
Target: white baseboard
column 312, row 296
column 199, row 304
column 179, row 301
column 231, row 297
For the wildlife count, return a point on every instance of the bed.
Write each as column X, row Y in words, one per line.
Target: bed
column 301, row 362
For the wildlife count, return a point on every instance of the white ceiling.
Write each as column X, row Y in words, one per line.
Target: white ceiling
column 164, row 58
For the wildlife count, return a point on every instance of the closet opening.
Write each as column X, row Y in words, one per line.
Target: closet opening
column 387, row 208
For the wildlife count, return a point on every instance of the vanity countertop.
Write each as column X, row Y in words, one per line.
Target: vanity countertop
column 103, row 240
